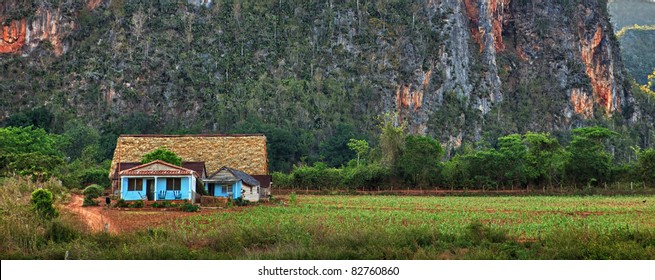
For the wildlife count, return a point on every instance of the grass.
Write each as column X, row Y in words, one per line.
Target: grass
column 354, row 227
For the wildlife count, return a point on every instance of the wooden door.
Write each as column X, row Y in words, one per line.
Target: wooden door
column 150, row 189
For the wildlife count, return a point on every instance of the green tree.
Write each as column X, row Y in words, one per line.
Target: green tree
column 485, row 167
column 419, row 161
column 39, row 117
column 392, row 139
column 589, row 161
column 512, row 159
column 646, row 165
column 29, row 151
column 163, row 154
column 544, row 157
column 360, row 147
column 77, row 137
column 42, row 204
column 335, row 150
column 455, row 172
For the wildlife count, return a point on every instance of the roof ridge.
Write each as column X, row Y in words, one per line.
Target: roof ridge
column 153, row 162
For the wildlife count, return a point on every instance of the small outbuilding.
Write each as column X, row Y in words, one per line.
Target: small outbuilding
column 232, row 183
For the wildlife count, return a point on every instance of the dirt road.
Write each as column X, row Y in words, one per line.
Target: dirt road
column 96, row 218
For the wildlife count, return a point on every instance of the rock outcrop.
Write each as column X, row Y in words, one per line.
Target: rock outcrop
column 450, row 68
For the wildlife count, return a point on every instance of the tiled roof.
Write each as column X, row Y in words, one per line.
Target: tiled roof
column 197, row 166
column 175, row 170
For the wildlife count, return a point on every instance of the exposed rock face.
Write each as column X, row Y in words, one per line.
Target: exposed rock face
column 13, row 36
column 450, row 68
column 47, row 24
column 571, row 54
column 583, row 103
column 597, row 57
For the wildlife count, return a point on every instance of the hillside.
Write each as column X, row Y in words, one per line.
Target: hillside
column 634, row 21
column 310, row 74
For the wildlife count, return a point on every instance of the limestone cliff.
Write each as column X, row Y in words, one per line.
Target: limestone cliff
column 455, row 69
column 45, row 24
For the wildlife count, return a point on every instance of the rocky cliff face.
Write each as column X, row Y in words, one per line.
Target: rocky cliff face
column 450, row 68
column 495, row 50
column 46, row 24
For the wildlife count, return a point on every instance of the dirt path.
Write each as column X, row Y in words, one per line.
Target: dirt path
column 96, row 218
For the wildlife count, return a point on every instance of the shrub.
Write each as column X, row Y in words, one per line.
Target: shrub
column 292, row 198
column 189, row 207
column 89, row 201
column 98, row 176
column 42, row 204
column 91, row 193
column 241, row 202
column 137, row 204
column 60, row 232
column 121, row 203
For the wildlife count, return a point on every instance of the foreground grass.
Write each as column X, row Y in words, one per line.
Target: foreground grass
column 356, row 227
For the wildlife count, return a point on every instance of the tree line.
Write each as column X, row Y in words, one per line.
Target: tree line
column 516, row 161
column 393, row 159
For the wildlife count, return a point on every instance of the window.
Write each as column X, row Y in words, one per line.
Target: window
column 229, row 189
column 174, row 184
column 134, row 184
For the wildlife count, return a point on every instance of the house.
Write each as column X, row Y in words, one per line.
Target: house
column 242, row 152
column 158, row 180
column 229, row 182
column 265, row 184
column 197, row 166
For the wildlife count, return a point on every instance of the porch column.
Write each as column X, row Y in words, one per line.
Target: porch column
column 156, row 192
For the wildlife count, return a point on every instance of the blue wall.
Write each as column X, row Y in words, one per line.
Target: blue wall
column 160, row 184
column 132, row 195
column 185, row 189
column 221, row 190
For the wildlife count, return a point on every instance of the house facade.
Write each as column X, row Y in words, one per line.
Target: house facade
column 232, row 183
column 158, row 180
column 244, row 154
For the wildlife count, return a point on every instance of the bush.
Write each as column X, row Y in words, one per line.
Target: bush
column 88, row 201
column 282, row 180
column 96, row 176
column 137, row 204
column 93, row 191
column 42, row 204
column 121, row 203
column 59, row 232
column 241, row 202
column 189, row 207
column 292, row 198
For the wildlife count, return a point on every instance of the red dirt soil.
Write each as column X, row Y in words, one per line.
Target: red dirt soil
column 123, row 220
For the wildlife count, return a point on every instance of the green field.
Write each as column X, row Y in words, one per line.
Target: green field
column 348, row 227
column 393, row 227
column 522, row 217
